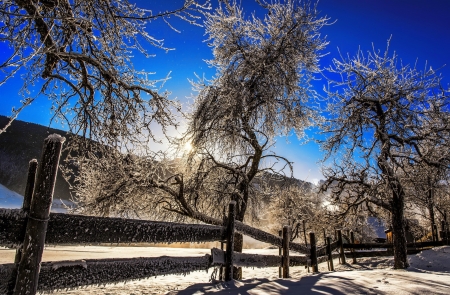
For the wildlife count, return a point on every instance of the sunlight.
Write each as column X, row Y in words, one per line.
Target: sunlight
column 187, row 147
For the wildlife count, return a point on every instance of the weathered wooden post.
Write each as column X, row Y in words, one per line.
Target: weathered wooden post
column 327, row 251
column 222, row 243
column 442, row 230
column 330, row 256
column 280, row 253
column 352, row 239
column 286, row 238
column 447, row 234
column 27, row 197
column 446, row 228
column 341, row 246
column 33, row 246
column 229, row 254
column 325, row 243
column 32, row 167
column 304, row 232
column 435, row 231
column 336, row 238
column 313, row 252
column 432, row 233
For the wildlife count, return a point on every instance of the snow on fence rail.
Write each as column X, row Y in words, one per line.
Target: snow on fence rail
column 30, row 228
column 412, row 248
column 77, row 229
column 265, row 237
column 73, row 274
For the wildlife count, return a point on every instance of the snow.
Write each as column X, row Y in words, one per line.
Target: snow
column 82, row 263
column 56, row 138
column 429, row 274
column 13, row 200
column 10, row 199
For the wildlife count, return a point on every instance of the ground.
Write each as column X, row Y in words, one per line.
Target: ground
column 429, row 274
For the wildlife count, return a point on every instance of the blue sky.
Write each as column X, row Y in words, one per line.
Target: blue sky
column 419, row 30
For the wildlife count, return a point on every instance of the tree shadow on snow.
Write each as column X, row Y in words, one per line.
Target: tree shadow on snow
column 305, row 285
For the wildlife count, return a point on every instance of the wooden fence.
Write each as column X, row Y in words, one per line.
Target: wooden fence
column 30, row 228
column 359, row 250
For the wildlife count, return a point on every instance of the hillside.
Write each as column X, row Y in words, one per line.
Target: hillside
column 22, row 142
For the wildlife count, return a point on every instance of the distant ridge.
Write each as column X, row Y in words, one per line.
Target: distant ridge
column 21, row 142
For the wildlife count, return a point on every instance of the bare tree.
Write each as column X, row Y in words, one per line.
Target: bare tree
column 429, row 193
column 264, row 67
column 385, row 118
column 261, row 88
column 79, row 54
column 292, row 204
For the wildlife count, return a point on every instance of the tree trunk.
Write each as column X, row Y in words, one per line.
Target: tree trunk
column 430, row 202
column 238, row 246
column 398, row 231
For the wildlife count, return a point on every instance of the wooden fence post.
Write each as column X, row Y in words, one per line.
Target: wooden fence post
column 33, row 246
column 435, row 231
column 304, row 232
column 446, row 227
column 447, row 231
column 221, row 267
column 229, row 254
column 313, row 253
column 222, row 243
column 330, row 256
column 280, row 252
column 324, row 236
column 286, row 238
column 352, row 239
column 32, row 167
column 336, row 238
column 341, row 246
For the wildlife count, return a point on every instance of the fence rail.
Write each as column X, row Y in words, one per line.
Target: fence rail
column 77, row 229
column 265, row 237
column 412, row 248
column 30, row 228
column 388, row 245
column 72, row 274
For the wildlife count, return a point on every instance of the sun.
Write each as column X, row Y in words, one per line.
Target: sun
column 187, row 147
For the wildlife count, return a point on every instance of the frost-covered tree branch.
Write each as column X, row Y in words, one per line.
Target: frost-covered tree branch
column 385, row 120
column 264, row 66
column 79, row 54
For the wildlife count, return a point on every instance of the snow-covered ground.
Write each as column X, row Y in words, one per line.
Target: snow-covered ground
column 13, row 200
column 429, row 274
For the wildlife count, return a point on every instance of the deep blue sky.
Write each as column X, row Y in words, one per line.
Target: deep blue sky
column 419, row 29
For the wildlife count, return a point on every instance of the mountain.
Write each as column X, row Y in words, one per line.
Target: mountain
column 21, row 142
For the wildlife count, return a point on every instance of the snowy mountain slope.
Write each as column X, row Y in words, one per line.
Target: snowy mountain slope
column 13, row 200
column 9, row 199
